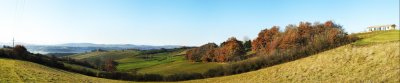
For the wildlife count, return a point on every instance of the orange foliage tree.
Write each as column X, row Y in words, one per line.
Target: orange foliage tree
column 230, row 50
column 264, row 41
column 304, row 36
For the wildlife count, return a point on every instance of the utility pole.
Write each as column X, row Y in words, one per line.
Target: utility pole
column 13, row 41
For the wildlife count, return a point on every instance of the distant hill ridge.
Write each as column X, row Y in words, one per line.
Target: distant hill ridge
column 86, row 47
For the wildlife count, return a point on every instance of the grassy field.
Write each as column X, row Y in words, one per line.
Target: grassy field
column 161, row 63
column 378, row 60
column 165, row 63
column 147, row 60
column 114, row 54
column 16, row 71
column 378, row 37
column 181, row 66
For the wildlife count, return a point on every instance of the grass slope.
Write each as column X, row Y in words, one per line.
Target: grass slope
column 114, row 54
column 147, row 60
column 182, row 66
column 12, row 71
column 378, row 37
column 165, row 63
column 378, row 60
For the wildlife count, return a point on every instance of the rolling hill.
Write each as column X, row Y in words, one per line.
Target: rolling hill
column 375, row 58
column 164, row 63
column 114, row 54
column 15, row 71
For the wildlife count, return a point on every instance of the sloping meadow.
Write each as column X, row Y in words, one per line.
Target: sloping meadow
column 374, row 62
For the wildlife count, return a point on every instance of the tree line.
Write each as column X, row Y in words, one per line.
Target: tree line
column 19, row 52
column 270, row 41
column 271, row 47
column 312, row 37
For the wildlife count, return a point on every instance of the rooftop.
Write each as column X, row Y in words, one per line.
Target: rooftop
column 380, row 25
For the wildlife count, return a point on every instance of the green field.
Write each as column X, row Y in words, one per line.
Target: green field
column 114, row 54
column 146, row 60
column 378, row 60
column 16, row 71
column 378, row 37
column 164, row 63
column 182, row 66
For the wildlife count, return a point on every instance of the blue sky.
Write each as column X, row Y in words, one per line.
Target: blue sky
column 177, row 22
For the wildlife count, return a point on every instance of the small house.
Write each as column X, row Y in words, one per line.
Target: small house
column 381, row 27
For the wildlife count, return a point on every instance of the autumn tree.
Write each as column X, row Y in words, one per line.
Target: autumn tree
column 203, row 53
column 230, row 50
column 208, row 50
column 305, row 36
column 289, row 38
column 264, row 42
column 302, row 39
column 304, row 32
column 110, row 65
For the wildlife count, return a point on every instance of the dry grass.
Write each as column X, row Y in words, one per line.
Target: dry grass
column 182, row 66
column 378, row 60
column 375, row 63
column 16, row 71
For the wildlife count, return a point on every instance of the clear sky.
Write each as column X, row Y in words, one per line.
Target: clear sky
column 176, row 22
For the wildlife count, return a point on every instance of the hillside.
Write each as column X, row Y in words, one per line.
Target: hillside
column 164, row 63
column 114, row 54
column 180, row 66
column 377, row 60
column 23, row 71
column 378, row 37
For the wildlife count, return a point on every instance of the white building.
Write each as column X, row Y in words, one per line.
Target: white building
column 381, row 27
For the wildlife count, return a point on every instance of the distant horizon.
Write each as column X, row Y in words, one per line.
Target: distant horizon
column 177, row 22
column 24, row 43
